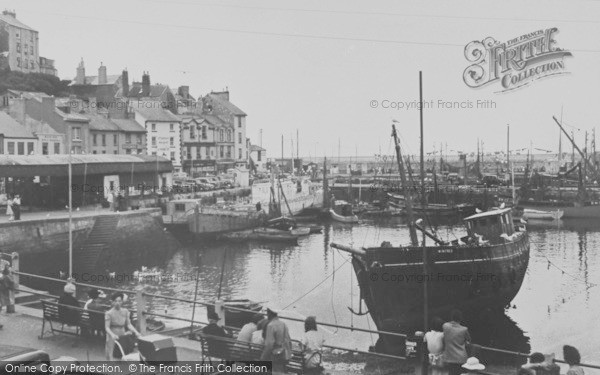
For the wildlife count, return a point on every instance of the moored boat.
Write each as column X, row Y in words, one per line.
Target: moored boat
column 342, row 212
column 263, row 234
column 542, row 215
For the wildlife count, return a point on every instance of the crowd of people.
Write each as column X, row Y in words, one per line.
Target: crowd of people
column 273, row 334
column 448, row 346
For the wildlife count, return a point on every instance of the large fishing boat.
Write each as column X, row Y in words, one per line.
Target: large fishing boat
column 484, row 269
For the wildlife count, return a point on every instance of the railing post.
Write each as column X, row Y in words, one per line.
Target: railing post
column 15, row 269
column 141, row 309
column 422, row 354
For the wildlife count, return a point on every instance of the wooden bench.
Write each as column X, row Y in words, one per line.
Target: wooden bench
column 84, row 321
column 230, row 349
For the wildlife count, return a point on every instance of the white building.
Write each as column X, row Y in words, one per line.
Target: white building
column 15, row 139
column 258, row 155
column 163, row 130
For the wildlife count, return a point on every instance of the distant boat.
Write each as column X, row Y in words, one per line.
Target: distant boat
column 262, row 234
column 342, row 212
column 542, row 215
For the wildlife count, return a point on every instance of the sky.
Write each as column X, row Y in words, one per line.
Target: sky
column 318, row 67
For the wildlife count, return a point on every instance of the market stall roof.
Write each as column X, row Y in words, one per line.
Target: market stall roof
column 58, row 165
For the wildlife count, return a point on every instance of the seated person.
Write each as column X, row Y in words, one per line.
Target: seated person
column 540, row 364
column 67, row 314
column 96, row 311
column 215, row 348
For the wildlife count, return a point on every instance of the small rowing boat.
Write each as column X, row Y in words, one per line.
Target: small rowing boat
column 529, row 214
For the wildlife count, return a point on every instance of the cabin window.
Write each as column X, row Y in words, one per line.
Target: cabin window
column 179, row 207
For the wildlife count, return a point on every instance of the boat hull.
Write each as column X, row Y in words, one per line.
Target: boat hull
column 343, row 219
column 468, row 278
column 529, row 214
column 570, row 210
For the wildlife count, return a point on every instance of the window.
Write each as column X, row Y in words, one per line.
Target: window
column 31, row 49
column 104, row 151
column 239, row 153
column 94, row 152
column 239, row 137
column 21, row 148
column 189, row 153
column 127, row 151
column 192, row 132
column 228, row 136
column 139, row 151
column 204, row 132
column 26, row 49
column 127, row 138
column 171, row 127
column 115, row 139
column 206, row 152
column 259, row 156
column 18, row 46
column 103, row 139
column 153, row 153
column 10, row 146
column 76, row 133
column 44, row 148
column 19, row 62
column 56, row 148
column 29, row 148
column 198, row 152
column 153, row 127
column 179, row 206
column 221, row 150
column 25, row 63
column 229, row 152
column 171, row 141
column 239, row 121
column 94, row 140
column 32, row 64
column 172, row 155
column 139, row 139
column 221, row 135
column 153, row 141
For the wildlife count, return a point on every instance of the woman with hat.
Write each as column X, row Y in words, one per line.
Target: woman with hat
column 68, row 306
column 95, row 310
column 473, row 366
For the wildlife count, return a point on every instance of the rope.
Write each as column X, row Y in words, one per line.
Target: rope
column 316, row 286
column 332, row 292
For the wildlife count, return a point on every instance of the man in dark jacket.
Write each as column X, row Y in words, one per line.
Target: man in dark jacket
column 278, row 345
column 215, row 348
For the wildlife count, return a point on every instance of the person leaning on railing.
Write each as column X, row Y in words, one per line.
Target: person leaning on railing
column 539, row 364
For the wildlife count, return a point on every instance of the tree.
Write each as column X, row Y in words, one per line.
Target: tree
column 45, row 83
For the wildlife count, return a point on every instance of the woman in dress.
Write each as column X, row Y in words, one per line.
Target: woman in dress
column 312, row 344
column 117, row 322
column 435, row 347
column 9, row 210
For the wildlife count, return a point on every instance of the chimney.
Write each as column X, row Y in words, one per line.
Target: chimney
column 80, row 78
column 10, row 13
column 125, row 83
column 102, row 80
column 184, row 91
column 146, row 84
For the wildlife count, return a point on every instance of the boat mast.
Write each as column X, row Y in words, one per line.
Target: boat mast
column 423, row 197
column 407, row 197
column 575, row 147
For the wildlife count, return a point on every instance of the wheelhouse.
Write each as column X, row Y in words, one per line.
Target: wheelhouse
column 490, row 225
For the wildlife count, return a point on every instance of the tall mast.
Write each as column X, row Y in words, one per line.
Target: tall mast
column 423, row 198
column 407, row 197
column 507, row 146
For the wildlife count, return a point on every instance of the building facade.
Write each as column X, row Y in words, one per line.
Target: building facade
column 19, row 47
column 15, row 139
column 199, row 147
column 163, row 132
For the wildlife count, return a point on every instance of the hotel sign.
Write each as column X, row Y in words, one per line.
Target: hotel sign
column 515, row 63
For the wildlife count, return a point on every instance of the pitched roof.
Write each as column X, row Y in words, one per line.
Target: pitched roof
column 156, row 91
column 27, row 94
column 14, row 22
column 10, row 128
column 101, row 123
column 227, row 104
column 157, row 114
column 213, row 120
column 256, row 148
column 128, row 125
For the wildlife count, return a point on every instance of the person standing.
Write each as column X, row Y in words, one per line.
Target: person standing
column 9, row 211
column 7, row 290
column 278, row 345
column 110, row 198
column 456, row 338
column 116, row 321
column 17, row 207
column 573, row 359
column 435, row 346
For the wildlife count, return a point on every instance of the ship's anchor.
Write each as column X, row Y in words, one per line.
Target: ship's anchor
column 360, row 312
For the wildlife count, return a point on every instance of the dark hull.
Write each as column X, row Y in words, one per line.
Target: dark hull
column 469, row 278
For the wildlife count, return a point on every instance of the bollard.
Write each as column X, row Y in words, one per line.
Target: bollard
column 422, row 354
column 141, row 309
column 220, row 310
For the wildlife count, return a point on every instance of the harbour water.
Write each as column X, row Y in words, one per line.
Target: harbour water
column 312, row 279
